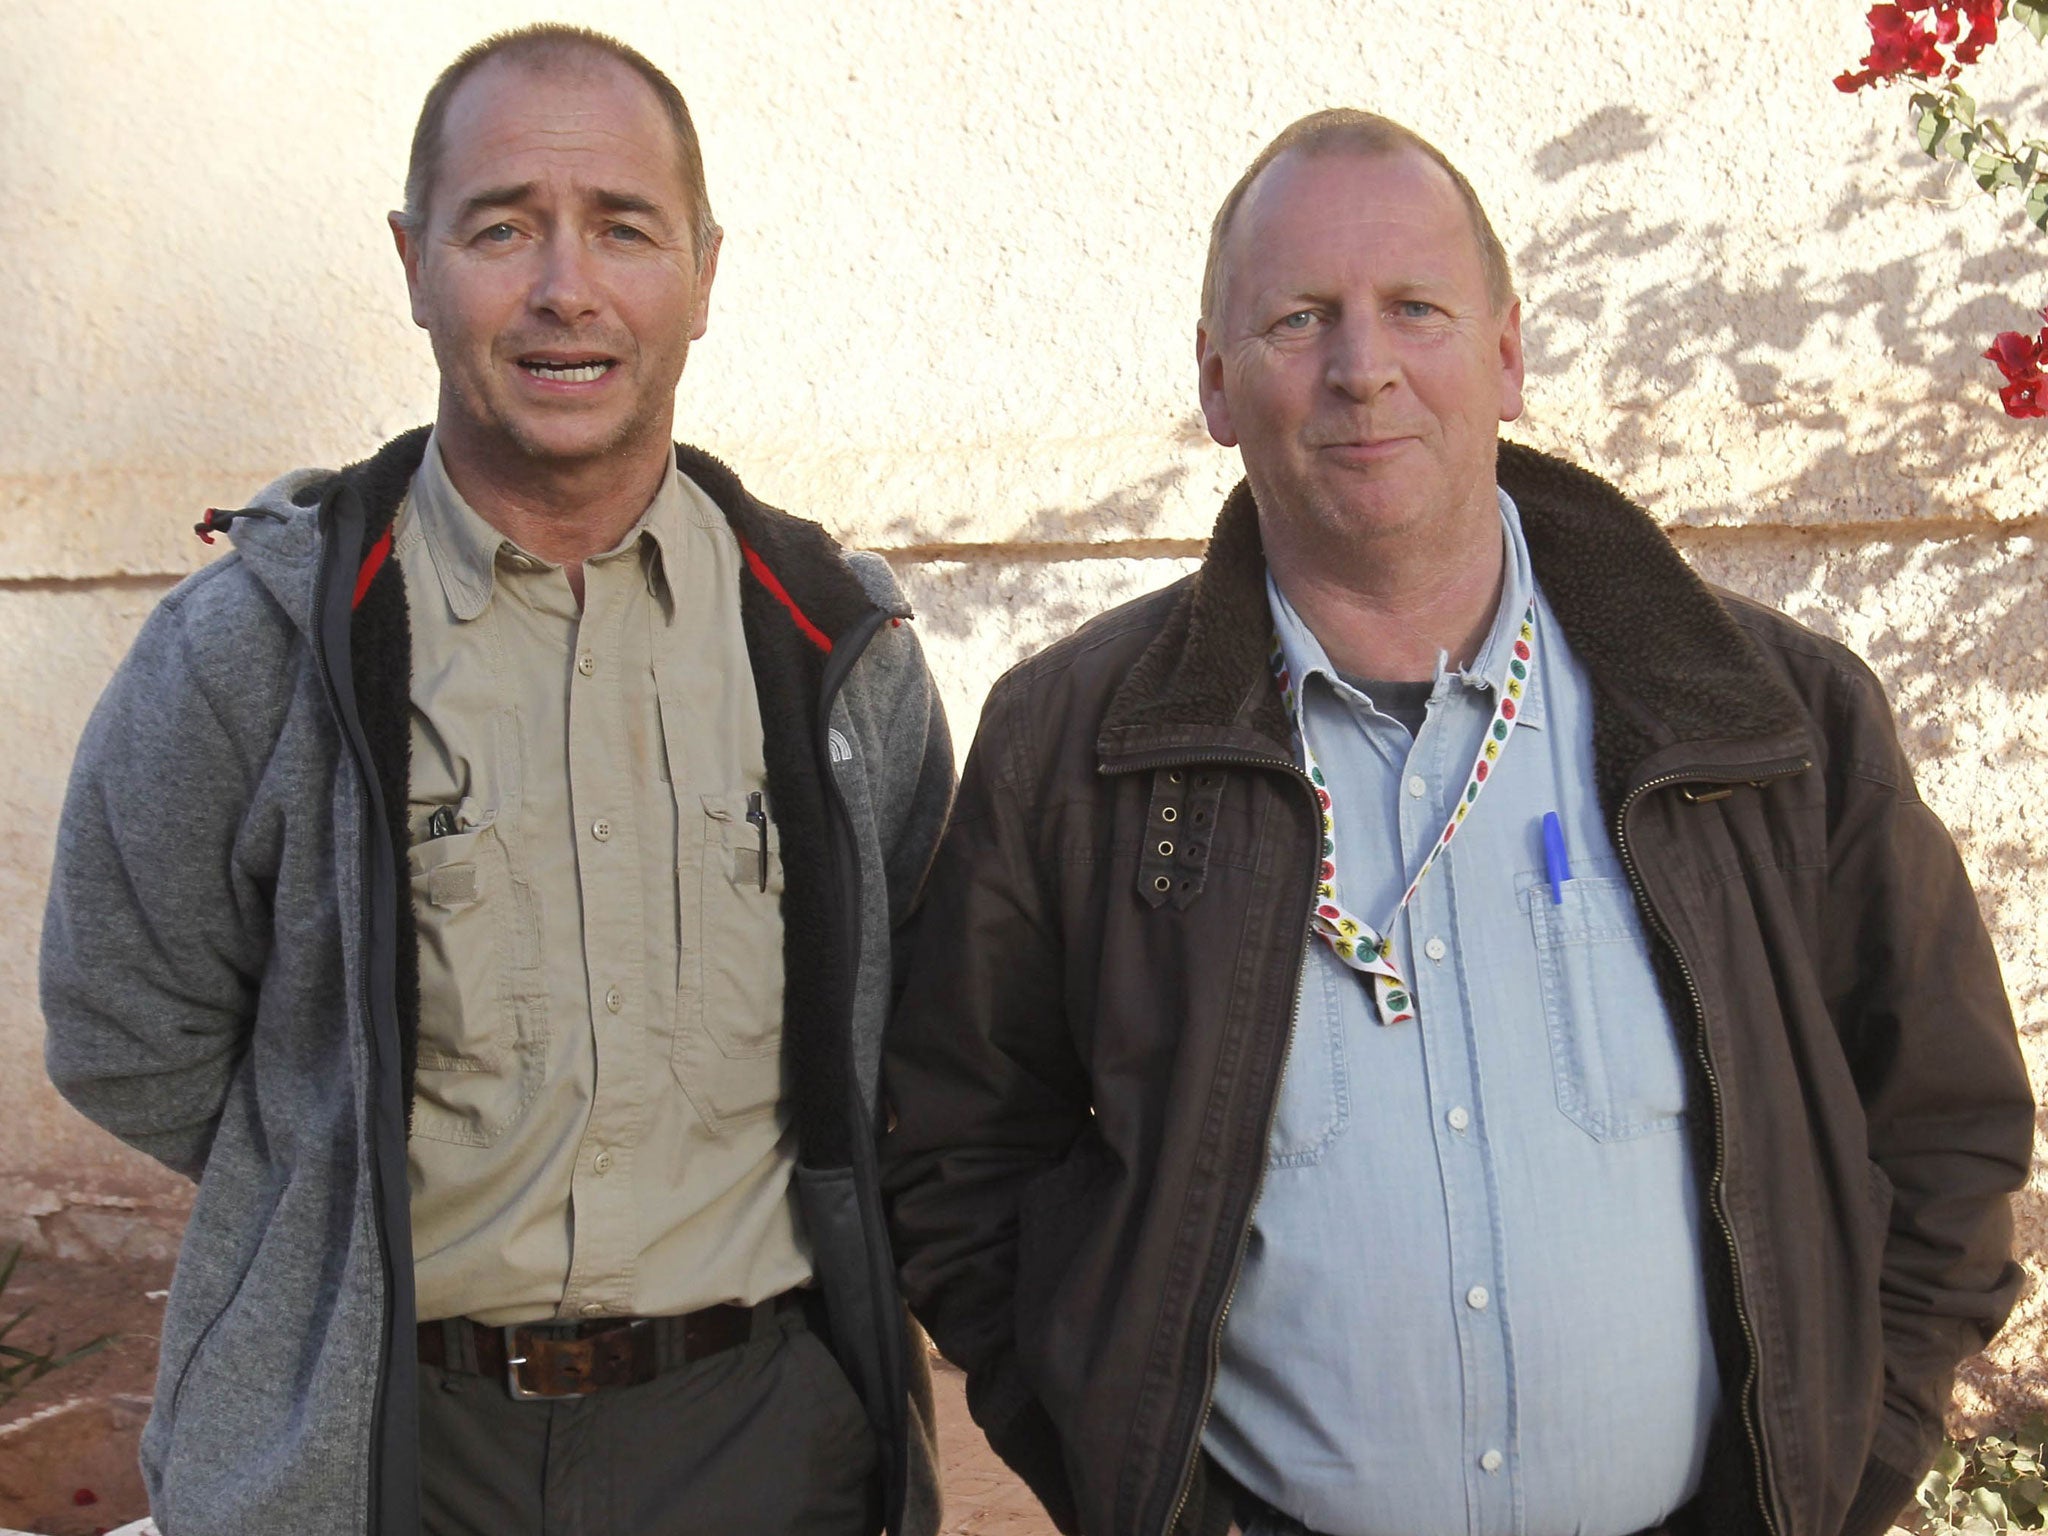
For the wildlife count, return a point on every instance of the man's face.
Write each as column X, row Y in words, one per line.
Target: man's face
column 555, row 270
column 1356, row 358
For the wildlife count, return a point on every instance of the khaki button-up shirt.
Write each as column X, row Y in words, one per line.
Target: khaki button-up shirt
column 599, row 1127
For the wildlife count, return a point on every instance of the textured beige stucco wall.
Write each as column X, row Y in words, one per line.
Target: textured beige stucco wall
column 954, row 321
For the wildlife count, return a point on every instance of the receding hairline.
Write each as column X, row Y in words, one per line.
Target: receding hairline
column 1347, row 132
column 541, row 47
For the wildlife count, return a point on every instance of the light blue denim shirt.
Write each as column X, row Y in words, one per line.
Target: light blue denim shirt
column 1472, row 1302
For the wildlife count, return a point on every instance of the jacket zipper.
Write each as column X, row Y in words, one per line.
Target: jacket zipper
column 348, row 726
column 1193, row 1457
column 1751, row 1428
column 847, row 650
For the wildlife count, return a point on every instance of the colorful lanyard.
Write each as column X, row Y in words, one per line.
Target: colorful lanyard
column 1357, row 943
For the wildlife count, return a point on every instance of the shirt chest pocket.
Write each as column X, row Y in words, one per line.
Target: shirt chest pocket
column 483, row 1023
column 1613, row 1050
column 727, row 1052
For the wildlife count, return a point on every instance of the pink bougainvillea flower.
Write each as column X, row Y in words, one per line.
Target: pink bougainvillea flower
column 1983, row 19
column 2022, row 401
column 1901, row 44
column 2022, row 359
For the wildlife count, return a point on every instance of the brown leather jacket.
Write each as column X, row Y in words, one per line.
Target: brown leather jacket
column 1084, row 1066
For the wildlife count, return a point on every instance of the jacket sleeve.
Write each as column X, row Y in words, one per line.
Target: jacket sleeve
column 154, row 938
column 1916, row 995
column 987, row 1093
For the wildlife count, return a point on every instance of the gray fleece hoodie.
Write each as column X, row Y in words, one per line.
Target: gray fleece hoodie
column 229, row 974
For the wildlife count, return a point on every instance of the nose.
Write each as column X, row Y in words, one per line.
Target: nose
column 1360, row 358
column 565, row 286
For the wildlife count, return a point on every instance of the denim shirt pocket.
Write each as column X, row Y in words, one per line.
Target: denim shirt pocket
column 1315, row 1091
column 1615, row 1057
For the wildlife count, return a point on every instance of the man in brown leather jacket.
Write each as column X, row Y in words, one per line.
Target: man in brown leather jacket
column 1298, row 1126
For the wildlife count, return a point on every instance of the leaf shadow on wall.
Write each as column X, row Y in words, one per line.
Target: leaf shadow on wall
column 1949, row 617
column 1667, row 337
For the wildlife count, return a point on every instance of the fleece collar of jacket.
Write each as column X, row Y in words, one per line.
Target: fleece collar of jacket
column 1677, row 678
column 797, row 601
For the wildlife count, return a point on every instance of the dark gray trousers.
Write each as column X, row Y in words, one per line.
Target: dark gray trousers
column 766, row 1439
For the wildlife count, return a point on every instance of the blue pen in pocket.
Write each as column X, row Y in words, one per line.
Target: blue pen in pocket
column 1556, row 865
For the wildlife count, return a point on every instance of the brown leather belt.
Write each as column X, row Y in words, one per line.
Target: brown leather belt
column 539, row 1361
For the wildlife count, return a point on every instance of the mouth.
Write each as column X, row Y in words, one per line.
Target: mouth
column 1365, row 448
column 568, row 370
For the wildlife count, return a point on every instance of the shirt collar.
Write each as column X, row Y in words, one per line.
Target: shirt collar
column 1305, row 656
column 467, row 550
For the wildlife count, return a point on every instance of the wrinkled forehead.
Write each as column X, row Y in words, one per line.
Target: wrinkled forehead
column 572, row 107
column 1316, row 205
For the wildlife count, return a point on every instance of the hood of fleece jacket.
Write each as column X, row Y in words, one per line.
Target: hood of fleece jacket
column 276, row 535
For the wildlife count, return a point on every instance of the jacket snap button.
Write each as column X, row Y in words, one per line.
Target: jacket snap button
column 1168, row 813
column 1166, row 850
column 1162, row 884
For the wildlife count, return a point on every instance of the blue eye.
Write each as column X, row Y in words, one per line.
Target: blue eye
column 1300, row 320
column 1417, row 309
column 497, row 234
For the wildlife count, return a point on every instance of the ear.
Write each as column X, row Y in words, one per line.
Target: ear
column 1511, row 363
column 1209, row 378
column 409, row 254
column 707, row 269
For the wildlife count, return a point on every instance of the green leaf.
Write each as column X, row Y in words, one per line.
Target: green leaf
column 2037, row 203
column 1950, row 1464
column 1930, row 130
column 1962, row 103
column 1933, row 125
column 2033, row 15
column 1961, row 146
column 2029, row 1490
column 1995, row 131
column 1993, row 172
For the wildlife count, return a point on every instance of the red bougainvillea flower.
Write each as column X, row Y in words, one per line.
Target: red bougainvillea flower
column 1901, row 44
column 2022, row 359
column 1983, row 18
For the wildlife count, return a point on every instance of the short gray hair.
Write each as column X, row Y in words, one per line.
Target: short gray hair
column 536, row 46
column 1337, row 130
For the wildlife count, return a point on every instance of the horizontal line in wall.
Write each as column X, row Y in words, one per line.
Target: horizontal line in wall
column 1051, row 551
column 1928, row 530
column 1903, row 530
column 116, row 581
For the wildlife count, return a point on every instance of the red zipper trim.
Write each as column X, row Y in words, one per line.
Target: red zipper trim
column 373, row 562
column 766, row 577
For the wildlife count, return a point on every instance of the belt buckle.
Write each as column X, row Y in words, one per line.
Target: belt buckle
column 515, row 1358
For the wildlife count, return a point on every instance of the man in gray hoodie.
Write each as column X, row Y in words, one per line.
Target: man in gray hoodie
column 483, row 883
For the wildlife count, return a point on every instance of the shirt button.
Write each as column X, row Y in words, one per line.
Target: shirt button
column 593, row 1309
column 1436, row 949
column 614, row 999
column 602, row 1163
column 1459, row 1118
column 1476, row 1298
column 1416, row 787
column 586, row 663
column 601, row 830
column 1491, row 1461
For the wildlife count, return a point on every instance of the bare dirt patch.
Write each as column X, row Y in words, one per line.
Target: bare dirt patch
column 73, row 1434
